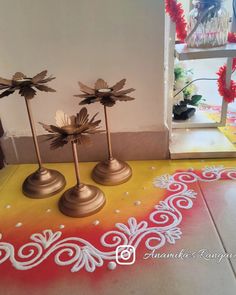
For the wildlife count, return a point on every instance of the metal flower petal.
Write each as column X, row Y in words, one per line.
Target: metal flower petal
column 62, row 119
column 119, row 85
column 104, row 94
column 26, row 86
column 101, row 84
column 86, row 89
column 72, row 129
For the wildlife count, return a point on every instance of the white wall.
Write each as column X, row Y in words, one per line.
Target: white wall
column 84, row 40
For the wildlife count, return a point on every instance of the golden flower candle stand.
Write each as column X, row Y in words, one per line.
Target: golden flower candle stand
column 82, row 199
column 43, row 182
column 110, row 171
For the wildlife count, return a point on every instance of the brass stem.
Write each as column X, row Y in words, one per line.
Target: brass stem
column 76, row 162
column 32, row 126
column 108, row 135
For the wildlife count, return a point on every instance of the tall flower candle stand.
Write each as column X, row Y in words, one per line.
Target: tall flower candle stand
column 43, row 182
column 111, row 171
column 82, row 199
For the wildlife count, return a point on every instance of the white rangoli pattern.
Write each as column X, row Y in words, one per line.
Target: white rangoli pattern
column 161, row 228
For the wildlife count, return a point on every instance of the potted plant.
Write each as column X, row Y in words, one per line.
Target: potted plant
column 185, row 97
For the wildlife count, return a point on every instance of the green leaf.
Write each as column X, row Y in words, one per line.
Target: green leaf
column 195, row 99
column 179, row 73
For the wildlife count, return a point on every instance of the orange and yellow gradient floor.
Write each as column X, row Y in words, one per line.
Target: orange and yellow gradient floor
column 42, row 250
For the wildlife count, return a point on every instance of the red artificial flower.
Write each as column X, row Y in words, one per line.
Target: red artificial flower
column 176, row 14
column 234, row 64
column 232, row 37
column 228, row 94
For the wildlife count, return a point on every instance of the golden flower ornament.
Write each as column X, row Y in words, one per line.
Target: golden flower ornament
column 104, row 94
column 26, row 86
column 72, row 129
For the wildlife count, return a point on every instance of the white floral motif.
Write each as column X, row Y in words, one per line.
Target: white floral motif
column 191, row 194
column 163, row 206
column 161, row 227
column 163, row 181
column 133, row 227
column 213, row 169
column 173, row 234
column 46, row 238
column 89, row 259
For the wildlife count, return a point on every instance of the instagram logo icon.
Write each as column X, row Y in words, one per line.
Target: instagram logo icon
column 125, row 255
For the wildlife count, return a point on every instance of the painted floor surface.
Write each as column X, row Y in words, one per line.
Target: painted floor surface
column 176, row 218
column 229, row 130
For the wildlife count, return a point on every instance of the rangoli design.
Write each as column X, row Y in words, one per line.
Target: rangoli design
column 163, row 226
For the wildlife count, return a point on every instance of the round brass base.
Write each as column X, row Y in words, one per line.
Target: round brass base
column 43, row 183
column 111, row 172
column 82, row 200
